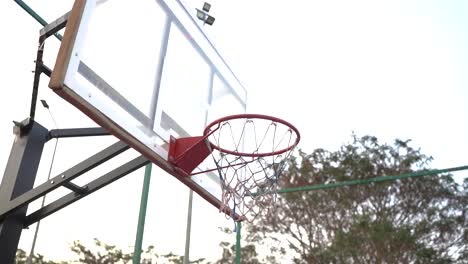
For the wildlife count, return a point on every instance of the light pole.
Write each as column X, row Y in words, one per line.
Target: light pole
column 207, row 19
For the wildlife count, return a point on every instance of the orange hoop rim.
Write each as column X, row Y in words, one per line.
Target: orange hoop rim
column 215, row 125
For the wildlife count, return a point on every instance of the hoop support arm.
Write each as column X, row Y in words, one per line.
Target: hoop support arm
column 187, row 153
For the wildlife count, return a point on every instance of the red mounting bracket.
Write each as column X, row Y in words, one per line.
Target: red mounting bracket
column 187, row 153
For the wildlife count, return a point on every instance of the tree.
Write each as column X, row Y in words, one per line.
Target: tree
column 105, row 253
column 416, row 220
column 248, row 252
column 176, row 259
column 22, row 258
column 249, row 255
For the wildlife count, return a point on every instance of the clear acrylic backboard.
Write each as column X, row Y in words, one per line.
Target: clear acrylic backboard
column 146, row 70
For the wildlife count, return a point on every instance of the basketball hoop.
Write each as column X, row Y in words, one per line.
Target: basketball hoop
column 249, row 152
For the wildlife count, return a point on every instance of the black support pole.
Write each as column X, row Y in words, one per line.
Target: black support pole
column 78, row 132
column 18, row 178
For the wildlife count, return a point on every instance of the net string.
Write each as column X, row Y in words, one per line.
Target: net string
column 249, row 184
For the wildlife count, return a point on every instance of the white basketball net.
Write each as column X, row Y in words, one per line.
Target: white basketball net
column 249, row 183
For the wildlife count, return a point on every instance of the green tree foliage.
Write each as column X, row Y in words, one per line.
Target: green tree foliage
column 249, row 253
column 22, row 258
column 416, row 220
column 176, row 259
column 102, row 253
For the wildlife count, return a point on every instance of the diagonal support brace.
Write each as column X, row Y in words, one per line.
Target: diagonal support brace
column 75, row 188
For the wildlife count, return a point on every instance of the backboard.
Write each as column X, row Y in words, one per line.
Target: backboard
column 146, row 70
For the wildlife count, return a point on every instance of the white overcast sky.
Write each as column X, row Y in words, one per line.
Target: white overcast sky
column 393, row 69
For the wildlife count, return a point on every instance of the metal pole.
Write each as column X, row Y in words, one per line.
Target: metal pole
column 370, row 180
column 38, row 18
column 20, row 174
column 142, row 214
column 238, row 245
column 189, row 227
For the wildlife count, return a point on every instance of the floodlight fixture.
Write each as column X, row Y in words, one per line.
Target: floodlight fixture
column 206, row 7
column 203, row 14
column 210, row 20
